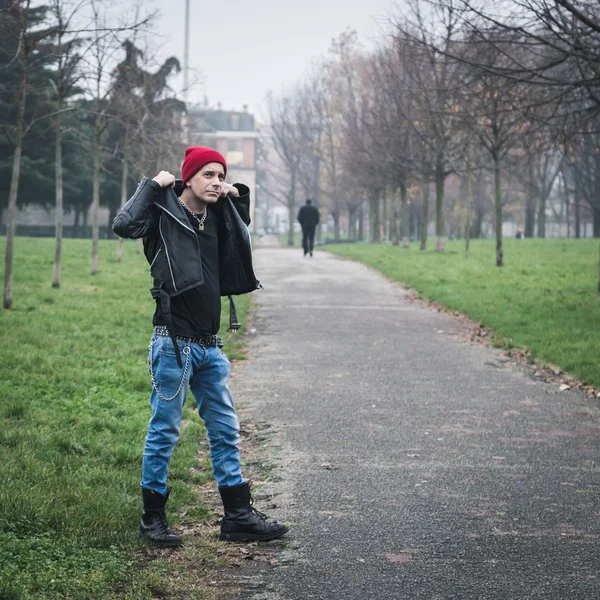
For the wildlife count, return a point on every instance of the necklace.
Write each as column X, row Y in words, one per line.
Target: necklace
column 200, row 221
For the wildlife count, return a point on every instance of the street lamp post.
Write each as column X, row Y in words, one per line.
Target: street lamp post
column 186, row 56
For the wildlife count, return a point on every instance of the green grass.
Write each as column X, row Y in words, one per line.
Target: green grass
column 283, row 239
column 544, row 298
column 74, row 391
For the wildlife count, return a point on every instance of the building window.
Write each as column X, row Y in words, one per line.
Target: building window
column 235, row 122
column 234, row 145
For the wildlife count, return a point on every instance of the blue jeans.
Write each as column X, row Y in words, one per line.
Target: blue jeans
column 206, row 371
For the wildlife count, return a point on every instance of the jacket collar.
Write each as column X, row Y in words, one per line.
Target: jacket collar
column 169, row 203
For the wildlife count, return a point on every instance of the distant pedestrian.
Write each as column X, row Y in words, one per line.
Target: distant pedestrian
column 197, row 243
column 308, row 217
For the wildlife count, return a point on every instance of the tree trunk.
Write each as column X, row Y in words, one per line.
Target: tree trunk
column 336, row 224
column 10, row 225
column 85, row 221
column 599, row 275
column 576, row 199
column 440, row 225
column 14, row 180
column 567, row 205
column 352, row 222
column 530, row 204
column 59, row 202
column 596, row 223
column 542, row 217
column 469, row 183
column 394, row 216
column 292, row 208
column 425, row 217
column 530, row 216
column 143, row 154
column 477, row 228
column 96, row 197
column 374, row 224
column 75, row 230
column 361, row 221
column 404, row 216
column 530, row 207
column 159, row 154
column 384, row 218
column 498, row 205
column 124, row 176
column 596, row 200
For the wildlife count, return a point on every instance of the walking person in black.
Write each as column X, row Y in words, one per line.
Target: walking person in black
column 308, row 217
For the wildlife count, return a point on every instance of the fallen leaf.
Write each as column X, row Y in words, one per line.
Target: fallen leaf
column 564, row 387
column 399, row 558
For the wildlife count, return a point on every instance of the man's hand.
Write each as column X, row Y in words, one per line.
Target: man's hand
column 164, row 179
column 229, row 190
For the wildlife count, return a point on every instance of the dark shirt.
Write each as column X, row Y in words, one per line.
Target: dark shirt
column 197, row 312
column 308, row 216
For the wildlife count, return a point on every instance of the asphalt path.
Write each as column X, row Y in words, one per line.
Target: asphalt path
column 410, row 463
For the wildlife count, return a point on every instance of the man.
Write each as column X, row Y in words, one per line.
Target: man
column 197, row 243
column 308, row 217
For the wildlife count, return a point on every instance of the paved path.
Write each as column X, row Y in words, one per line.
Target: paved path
column 412, row 464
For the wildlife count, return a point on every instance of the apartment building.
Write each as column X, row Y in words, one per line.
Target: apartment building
column 234, row 135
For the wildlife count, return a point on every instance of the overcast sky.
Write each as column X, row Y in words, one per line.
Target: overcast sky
column 244, row 48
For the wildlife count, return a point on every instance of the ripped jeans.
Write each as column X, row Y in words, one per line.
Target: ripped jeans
column 206, row 371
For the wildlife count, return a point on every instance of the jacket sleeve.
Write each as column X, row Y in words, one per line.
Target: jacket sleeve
column 139, row 215
column 242, row 204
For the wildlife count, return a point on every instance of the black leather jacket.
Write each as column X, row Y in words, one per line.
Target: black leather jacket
column 171, row 245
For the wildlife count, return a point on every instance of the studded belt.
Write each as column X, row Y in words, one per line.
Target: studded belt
column 209, row 340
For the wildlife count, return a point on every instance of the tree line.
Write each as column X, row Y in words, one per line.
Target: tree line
column 85, row 111
column 497, row 100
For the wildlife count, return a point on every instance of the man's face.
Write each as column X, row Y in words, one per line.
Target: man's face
column 207, row 183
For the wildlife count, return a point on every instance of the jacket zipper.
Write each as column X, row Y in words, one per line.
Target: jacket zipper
column 167, row 253
column 188, row 227
column 155, row 257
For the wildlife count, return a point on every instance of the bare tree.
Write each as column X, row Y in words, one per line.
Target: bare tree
column 426, row 34
column 139, row 109
column 562, row 36
column 66, row 60
column 288, row 142
column 26, row 25
column 106, row 41
column 498, row 115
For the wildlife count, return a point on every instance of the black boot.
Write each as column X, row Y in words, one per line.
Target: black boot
column 242, row 522
column 154, row 525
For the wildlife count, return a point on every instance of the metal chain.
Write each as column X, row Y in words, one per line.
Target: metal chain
column 200, row 221
column 186, row 351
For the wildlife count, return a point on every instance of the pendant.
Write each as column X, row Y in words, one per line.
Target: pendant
column 201, row 227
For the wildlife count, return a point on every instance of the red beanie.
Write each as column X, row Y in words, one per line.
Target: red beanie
column 196, row 157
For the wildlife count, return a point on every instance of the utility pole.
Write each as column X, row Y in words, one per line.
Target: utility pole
column 186, row 65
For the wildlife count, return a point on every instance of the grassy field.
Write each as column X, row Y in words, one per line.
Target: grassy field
column 544, row 298
column 74, row 409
